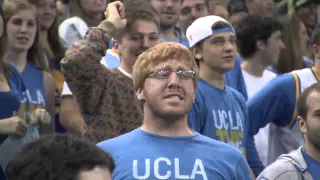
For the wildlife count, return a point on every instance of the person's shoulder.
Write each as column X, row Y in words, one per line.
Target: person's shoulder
column 15, row 74
column 203, row 87
column 287, row 166
column 281, row 169
column 15, row 78
column 119, row 142
column 203, row 90
column 14, row 69
column 281, row 82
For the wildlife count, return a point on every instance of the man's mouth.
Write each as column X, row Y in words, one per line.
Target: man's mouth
column 228, row 57
column 174, row 96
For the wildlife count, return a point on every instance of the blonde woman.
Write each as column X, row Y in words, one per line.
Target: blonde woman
column 19, row 95
column 24, row 51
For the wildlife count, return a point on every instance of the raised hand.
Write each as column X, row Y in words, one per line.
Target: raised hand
column 115, row 14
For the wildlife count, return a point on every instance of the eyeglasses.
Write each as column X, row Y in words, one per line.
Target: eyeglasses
column 166, row 73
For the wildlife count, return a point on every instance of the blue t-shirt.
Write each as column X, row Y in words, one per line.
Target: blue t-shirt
column 10, row 101
column 32, row 98
column 35, row 95
column 9, row 106
column 141, row 155
column 111, row 59
column 219, row 114
column 313, row 166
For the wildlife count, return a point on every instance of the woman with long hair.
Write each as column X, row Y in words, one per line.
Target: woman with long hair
column 54, row 50
column 295, row 40
column 23, row 49
column 16, row 128
column 11, row 88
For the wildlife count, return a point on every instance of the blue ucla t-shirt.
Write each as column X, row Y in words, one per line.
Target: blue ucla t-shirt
column 9, row 106
column 10, row 101
column 219, row 114
column 313, row 166
column 35, row 96
column 141, row 155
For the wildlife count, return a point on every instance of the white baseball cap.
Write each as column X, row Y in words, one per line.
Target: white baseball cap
column 202, row 28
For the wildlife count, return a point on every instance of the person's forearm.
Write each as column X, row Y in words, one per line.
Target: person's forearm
column 70, row 116
column 73, row 122
column 253, row 159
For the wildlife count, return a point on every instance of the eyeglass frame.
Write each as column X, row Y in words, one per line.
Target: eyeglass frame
column 193, row 73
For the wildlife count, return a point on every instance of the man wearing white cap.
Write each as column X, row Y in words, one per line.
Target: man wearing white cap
column 219, row 111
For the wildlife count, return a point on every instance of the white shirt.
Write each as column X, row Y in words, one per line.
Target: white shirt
column 255, row 84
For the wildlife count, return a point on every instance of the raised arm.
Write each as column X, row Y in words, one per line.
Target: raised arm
column 81, row 66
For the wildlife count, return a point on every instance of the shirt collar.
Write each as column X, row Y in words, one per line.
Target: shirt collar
column 125, row 73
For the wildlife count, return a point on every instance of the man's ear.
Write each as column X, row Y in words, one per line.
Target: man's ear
column 140, row 94
column 315, row 50
column 196, row 53
column 302, row 124
column 261, row 45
